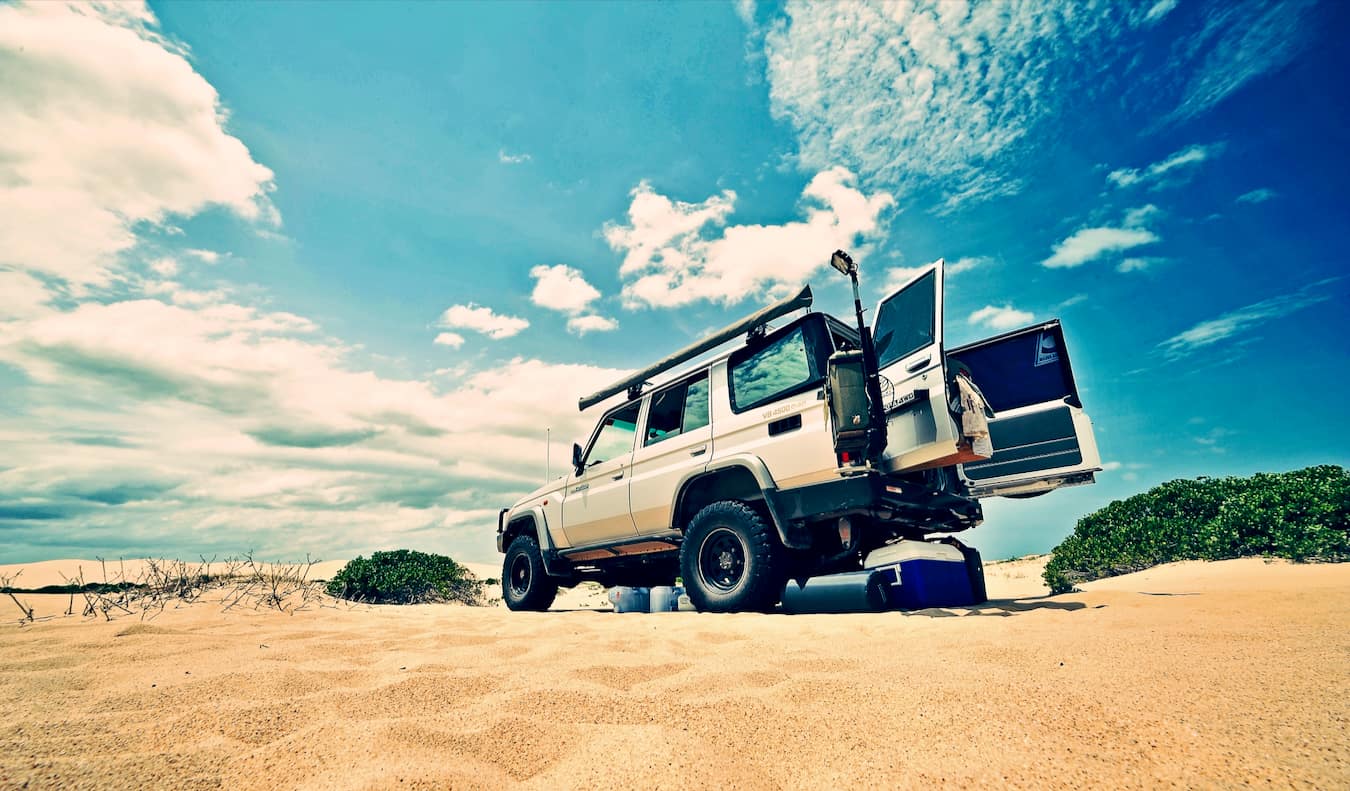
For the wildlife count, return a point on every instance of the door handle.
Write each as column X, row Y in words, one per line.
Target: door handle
column 917, row 364
column 699, row 451
column 619, row 475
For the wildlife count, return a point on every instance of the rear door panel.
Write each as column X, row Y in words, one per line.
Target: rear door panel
column 907, row 329
column 1042, row 437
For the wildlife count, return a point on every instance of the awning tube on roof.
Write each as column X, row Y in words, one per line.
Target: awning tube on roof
column 761, row 316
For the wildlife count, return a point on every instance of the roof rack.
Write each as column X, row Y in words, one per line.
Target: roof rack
column 750, row 324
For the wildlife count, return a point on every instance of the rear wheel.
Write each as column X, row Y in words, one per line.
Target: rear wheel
column 730, row 559
column 526, row 585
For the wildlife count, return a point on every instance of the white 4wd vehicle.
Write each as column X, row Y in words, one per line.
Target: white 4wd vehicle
column 774, row 461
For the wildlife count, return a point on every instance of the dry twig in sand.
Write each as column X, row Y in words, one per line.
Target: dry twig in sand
column 7, row 583
column 161, row 583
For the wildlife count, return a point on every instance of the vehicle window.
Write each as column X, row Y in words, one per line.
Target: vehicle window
column 677, row 410
column 771, row 371
column 696, row 404
column 906, row 322
column 616, row 435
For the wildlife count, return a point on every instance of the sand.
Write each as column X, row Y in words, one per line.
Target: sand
column 1193, row 674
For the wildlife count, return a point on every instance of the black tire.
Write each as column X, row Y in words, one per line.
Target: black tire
column 526, row 585
column 731, row 560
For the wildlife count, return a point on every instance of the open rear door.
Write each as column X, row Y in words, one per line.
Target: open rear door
column 907, row 328
column 1042, row 438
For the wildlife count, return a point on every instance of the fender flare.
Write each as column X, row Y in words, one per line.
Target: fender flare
column 793, row 536
column 554, row 565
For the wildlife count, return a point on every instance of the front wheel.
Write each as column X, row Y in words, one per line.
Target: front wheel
column 526, row 585
column 730, row 559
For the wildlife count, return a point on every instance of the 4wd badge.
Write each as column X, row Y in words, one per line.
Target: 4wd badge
column 1047, row 351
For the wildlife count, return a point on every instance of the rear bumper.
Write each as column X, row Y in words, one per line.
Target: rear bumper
column 881, row 496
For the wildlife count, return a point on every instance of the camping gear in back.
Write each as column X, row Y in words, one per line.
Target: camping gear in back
column 626, row 599
column 853, row 591
column 923, row 574
column 664, row 598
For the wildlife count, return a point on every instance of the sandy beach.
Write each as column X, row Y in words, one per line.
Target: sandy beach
column 1193, row 674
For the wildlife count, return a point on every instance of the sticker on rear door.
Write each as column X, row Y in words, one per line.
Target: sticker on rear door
column 1047, row 350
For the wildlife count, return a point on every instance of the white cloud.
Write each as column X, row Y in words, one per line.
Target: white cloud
column 584, row 324
column 1137, row 264
column 1076, row 299
column 482, row 320
column 562, row 288
column 1140, row 216
column 1215, row 437
column 929, row 93
column 1001, row 318
column 250, row 429
column 21, row 296
column 1088, row 244
column 1257, row 196
column 1159, row 10
column 137, row 137
column 565, row 289
column 668, row 261
column 1236, row 322
column 512, row 159
column 1240, row 41
column 1157, row 174
column 745, row 9
column 1130, row 470
column 965, row 264
column 452, row 339
column 157, row 418
column 898, row 276
column 208, row 256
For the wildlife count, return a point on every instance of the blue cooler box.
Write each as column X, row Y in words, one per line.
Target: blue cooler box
column 922, row 574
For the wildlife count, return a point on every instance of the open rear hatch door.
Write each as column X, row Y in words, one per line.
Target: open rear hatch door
column 907, row 330
column 1042, row 438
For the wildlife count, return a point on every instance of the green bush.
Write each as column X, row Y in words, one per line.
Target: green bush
column 1302, row 515
column 404, row 576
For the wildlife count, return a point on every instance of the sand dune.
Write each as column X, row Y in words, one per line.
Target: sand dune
column 1192, row 674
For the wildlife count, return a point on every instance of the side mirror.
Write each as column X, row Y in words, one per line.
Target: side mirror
column 576, row 457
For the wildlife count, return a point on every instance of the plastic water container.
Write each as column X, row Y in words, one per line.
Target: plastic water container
column 626, row 599
column 923, row 574
column 684, row 603
column 664, row 598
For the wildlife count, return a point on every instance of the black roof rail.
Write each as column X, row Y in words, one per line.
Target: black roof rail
column 633, row 383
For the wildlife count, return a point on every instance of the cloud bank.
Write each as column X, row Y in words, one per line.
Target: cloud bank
column 669, row 258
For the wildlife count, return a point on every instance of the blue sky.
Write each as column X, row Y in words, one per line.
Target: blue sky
column 295, row 279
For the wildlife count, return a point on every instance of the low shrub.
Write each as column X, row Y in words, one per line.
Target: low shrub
column 405, row 576
column 1302, row 515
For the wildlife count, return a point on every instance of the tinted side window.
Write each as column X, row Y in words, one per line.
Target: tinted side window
column 778, row 367
column 696, row 404
column 677, row 410
column 905, row 322
column 616, row 435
